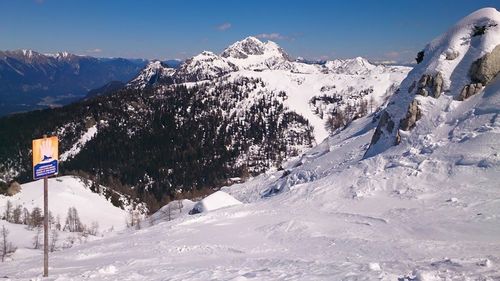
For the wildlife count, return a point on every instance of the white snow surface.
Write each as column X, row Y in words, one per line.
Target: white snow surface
column 66, row 192
column 214, row 201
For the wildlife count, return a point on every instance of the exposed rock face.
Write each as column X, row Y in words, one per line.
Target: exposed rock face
column 384, row 123
column 13, row 189
column 387, row 125
column 430, row 85
column 412, row 116
column 486, row 68
column 437, row 85
column 469, row 90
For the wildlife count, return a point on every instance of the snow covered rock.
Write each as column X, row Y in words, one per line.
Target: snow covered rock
column 204, row 66
column 437, row 74
column 354, row 66
column 244, row 48
column 153, row 73
column 214, row 201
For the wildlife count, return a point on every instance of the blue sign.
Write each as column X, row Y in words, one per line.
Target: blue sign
column 45, row 169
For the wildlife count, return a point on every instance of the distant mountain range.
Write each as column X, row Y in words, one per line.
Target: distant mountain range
column 31, row 80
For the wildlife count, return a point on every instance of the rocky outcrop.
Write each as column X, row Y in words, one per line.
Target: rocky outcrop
column 469, row 90
column 412, row 116
column 430, row 85
column 385, row 123
column 481, row 72
column 486, row 68
column 13, row 189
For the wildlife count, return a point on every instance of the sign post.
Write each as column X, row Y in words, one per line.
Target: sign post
column 45, row 164
column 45, row 226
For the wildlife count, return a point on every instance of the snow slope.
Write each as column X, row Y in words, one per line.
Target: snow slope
column 427, row 209
column 300, row 88
column 66, row 192
column 23, row 240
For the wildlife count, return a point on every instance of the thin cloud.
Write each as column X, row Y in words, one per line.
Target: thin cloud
column 225, row 26
column 401, row 57
column 272, row 36
column 386, row 62
column 94, row 51
column 393, row 54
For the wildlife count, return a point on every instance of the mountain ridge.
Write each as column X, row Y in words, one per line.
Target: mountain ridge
column 30, row 80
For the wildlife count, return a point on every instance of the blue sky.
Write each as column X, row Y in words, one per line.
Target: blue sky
column 378, row 30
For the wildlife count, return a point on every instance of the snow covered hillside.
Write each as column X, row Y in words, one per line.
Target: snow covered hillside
column 427, row 209
column 66, row 192
column 454, row 66
column 314, row 91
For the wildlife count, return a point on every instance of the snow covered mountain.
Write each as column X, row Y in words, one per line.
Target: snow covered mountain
column 426, row 209
column 30, row 80
column 354, row 66
column 154, row 72
column 252, row 54
column 315, row 91
column 204, row 66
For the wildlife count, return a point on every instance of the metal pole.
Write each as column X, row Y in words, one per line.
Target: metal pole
column 45, row 224
column 45, row 227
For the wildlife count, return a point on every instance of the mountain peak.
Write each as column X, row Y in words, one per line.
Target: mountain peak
column 153, row 72
column 244, row 48
column 251, row 53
